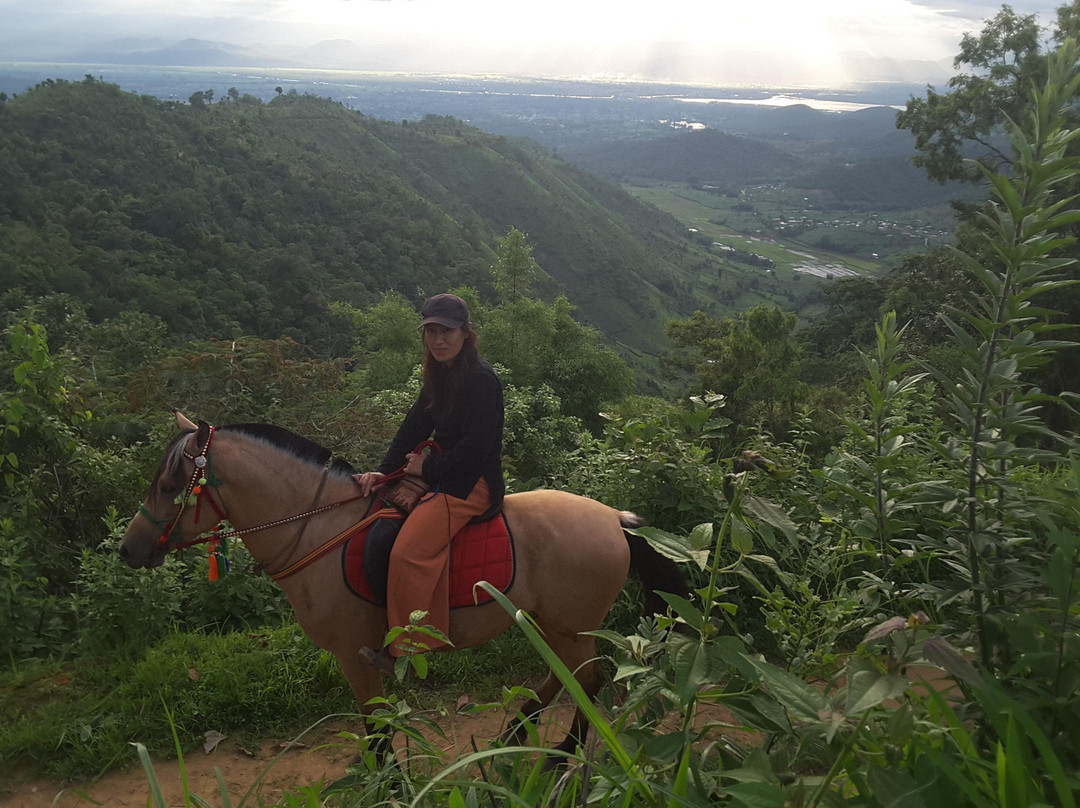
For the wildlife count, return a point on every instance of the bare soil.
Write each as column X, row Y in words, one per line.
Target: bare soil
column 322, row 757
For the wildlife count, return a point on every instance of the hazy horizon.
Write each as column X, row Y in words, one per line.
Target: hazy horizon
column 770, row 43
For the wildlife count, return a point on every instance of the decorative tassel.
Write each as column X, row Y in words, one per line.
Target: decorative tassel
column 223, row 553
column 219, row 555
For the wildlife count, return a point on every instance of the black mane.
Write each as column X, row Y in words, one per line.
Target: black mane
column 296, row 445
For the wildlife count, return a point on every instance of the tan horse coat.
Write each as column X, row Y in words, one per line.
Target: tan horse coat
column 572, row 555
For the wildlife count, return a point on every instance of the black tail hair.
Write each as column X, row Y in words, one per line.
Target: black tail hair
column 656, row 571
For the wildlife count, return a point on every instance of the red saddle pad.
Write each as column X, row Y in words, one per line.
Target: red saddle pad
column 480, row 552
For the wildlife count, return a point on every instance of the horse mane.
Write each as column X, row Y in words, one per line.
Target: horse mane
column 171, row 461
column 298, row 446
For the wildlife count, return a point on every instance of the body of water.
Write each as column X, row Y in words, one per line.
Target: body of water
column 356, row 88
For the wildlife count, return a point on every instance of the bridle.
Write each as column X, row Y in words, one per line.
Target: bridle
column 199, row 487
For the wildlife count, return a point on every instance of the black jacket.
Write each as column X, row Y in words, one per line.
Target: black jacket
column 470, row 437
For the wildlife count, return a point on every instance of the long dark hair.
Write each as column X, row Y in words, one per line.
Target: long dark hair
column 442, row 383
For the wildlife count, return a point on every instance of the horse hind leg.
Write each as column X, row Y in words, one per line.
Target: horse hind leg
column 579, row 726
column 578, row 654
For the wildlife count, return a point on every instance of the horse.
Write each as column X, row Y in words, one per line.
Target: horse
column 284, row 494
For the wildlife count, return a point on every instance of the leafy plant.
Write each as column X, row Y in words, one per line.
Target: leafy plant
column 996, row 427
column 33, row 621
column 659, row 464
column 881, row 482
column 51, row 481
column 116, row 607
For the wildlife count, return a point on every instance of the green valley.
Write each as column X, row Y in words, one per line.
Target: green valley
column 797, row 237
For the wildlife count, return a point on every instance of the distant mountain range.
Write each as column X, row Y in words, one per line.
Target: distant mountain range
column 185, row 53
column 392, row 54
column 854, row 165
column 621, row 131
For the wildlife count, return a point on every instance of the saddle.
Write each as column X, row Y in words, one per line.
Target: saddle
column 481, row 551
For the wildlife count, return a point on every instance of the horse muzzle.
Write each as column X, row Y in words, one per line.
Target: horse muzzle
column 145, row 554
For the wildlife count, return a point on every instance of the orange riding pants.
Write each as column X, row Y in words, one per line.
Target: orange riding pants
column 419, row 576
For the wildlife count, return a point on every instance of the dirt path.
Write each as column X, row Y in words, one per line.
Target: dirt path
column 323, row 758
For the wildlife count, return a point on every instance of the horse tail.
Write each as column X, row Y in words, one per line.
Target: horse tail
column 657, row 572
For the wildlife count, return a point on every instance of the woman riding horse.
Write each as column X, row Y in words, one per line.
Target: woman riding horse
column 461, row 405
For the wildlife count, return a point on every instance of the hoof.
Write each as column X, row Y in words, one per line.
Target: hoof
column 557, row 763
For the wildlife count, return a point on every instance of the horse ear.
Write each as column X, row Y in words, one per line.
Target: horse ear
column 203, row 435
column 183, row 421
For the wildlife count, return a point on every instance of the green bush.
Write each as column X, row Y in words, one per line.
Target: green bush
column 80, row 719
column 115, row 606
column 33, row 621
column 660, row 465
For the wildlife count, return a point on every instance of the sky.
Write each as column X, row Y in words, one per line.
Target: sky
column 718, row 42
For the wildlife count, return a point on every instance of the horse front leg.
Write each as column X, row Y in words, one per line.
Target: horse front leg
column 366, row 684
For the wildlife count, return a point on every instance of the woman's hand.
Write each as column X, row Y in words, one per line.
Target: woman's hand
column 367, row 481
column 414, row 464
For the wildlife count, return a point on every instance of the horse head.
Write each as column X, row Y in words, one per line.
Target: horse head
column 164, row 517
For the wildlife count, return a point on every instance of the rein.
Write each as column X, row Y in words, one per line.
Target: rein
column 226, row 534
column 203, row 479
column 397, row 475
column 333, row 543
column 348, row 532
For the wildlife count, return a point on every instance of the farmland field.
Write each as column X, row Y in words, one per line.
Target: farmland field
column 798, row 232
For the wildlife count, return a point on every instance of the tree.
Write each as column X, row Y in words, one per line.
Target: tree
column 1006, row 62
column 511, row 274
column 515, row 266
column 387, row 349
column 751, row 359
column 542, row 344
column 1009, row 67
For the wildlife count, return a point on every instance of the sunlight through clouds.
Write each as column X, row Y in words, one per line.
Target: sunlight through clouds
column 900, row 27
column 637, row 37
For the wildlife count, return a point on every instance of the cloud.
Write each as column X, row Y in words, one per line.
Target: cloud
column 975, row 12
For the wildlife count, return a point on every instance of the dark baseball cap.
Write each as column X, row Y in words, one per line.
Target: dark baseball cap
column 447, row 310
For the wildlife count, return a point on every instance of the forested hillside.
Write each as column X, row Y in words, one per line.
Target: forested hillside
column 706, row 156
column 240, row 217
